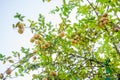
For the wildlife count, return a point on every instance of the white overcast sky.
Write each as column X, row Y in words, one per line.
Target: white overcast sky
column 10, row 40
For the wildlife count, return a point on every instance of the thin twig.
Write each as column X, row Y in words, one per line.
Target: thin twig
column 107, row 8
column 96, row 6
column 92, row 7
column 118, row 17
column 115, row 46
column 92, row 60
column 91, row 68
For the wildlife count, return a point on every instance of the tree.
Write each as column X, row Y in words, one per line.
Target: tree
column 87, row 48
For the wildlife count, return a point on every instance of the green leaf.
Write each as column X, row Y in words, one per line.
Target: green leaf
column 20, row 70
column 107, row 78
column 102, row 1
column 19, row 16
column 1, row 57
column 16, row 74
column 106, row 63
column 25, row 50
column 11, row 61
column 4, row 62
column 9, row 57
column 108, row 70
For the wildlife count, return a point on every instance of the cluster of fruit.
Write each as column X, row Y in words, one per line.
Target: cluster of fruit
column 116, row 27
column 8, row 72
column 76, row 39
column 103, row 20
column 45, row 45
column 20, row 27
column 52, row 73
column 35, row 39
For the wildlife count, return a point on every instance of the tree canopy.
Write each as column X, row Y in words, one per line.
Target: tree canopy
column 86, row 48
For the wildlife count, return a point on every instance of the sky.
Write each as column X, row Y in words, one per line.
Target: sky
column 10, row 40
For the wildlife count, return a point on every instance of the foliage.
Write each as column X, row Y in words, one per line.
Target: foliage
column 74, row 50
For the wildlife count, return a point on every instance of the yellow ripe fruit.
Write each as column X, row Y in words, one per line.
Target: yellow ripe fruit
column 20, row 31
column 101, row 19
column 44, row 78
column 53, row 73
column 32, row 40
column 38, row 42
column 101, row 25
column 47, row 44
column 61, row 34
column 8, row 71
column 36, row 36
column 105, row 21
column 1, row 76
column 43, row 46
column 20, row 25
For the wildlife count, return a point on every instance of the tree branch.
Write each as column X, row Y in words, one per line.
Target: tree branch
column 115, row 46
column 92, row 7
column 92, row 60
column 27, row 58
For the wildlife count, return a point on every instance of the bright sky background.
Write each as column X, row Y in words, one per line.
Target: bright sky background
column 10, row 40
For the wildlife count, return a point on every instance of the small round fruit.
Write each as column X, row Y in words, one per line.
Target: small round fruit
column 1, row 76
column 106, row 19
column 32, row 40
column 43, row 46
column 34, row 51
column 8, row 71
column 20, row 31
column 102, row 19
column 38, row 42
column 101, row 24
column 74, row 41
column 36, row 36
column 105, row 15
column 105, row 22
column 20, row 26
column 61, row 34
column 47, row 44
column 53, row 73
column 34, row 57
column 44, row 78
